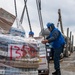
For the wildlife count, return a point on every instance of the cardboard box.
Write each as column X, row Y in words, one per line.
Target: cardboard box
column 6, row 20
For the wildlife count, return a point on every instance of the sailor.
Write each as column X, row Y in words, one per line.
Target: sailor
column 31, row 34
column 56, row 38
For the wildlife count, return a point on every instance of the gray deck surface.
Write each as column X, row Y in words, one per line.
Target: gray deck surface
column 67, row 65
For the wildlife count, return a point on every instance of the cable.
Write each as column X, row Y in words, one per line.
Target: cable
column 16, row 12
column 39, row 13
column 21, row 19
column 38, row 3
column 28, row 16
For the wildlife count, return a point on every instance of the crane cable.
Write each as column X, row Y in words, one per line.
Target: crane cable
column 21, row 19
column 28, row 16
column 38, row 3
column 17, row 21
column 16, row 12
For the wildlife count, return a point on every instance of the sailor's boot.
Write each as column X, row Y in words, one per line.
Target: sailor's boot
column 57, row 72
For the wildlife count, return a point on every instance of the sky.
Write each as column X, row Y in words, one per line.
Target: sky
column 49, row 10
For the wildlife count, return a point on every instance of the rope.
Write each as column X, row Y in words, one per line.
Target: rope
column 39, row 13
column 28, row 16
column 21, row 20
column 38, row 3
column 16, row 12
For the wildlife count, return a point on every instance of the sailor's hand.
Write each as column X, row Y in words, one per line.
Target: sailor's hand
column 44, row 41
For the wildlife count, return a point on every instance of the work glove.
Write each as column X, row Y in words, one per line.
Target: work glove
column 44, row 41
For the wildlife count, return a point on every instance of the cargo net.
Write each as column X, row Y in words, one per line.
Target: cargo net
column 20, row 53
column 6, row 70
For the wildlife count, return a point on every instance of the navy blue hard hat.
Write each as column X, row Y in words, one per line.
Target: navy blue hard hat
column 49, row 24
column 31, row 33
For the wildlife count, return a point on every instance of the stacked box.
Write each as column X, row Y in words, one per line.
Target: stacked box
column 42, row 54
column 6, row 21
column 17, row 32
column 14, row 45
column 27, row 64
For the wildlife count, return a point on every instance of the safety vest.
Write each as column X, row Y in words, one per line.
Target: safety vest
column 59, row 41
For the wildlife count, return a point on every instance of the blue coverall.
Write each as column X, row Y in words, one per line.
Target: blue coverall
column 58, row 41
